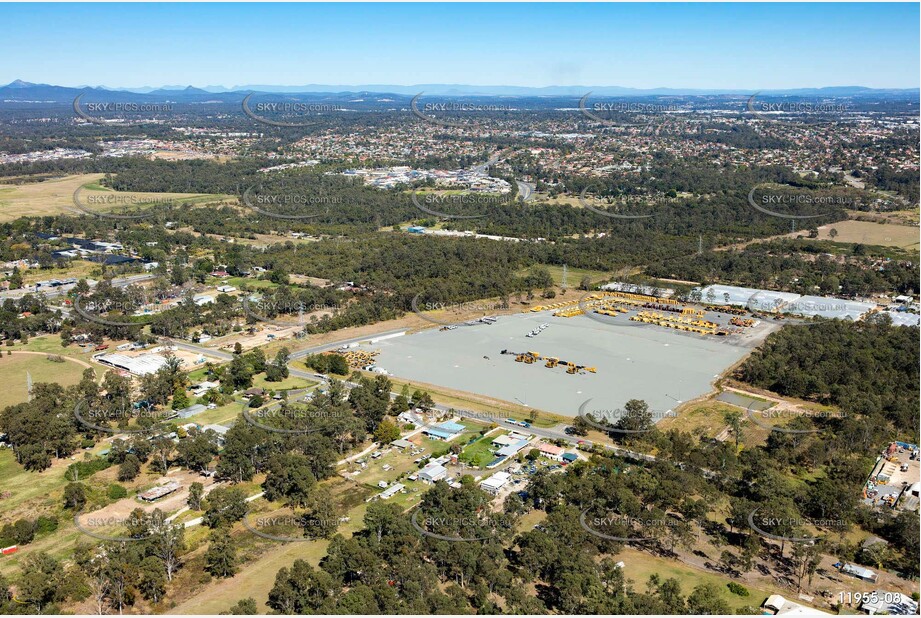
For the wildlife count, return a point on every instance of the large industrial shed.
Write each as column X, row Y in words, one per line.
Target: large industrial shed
column 137, row 365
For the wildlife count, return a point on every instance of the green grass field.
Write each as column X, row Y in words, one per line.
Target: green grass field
column 638, row 566
column 259, row 381
column 480, row 452
column 573, row 275
column 18, row 367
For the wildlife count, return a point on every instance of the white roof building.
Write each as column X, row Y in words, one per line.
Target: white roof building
column 496, row 482
column 433, row 472
column 785, row 607
column 891, row 603
column 828, row 307
column 391, row 491
column 903, row 318
column 138, row 365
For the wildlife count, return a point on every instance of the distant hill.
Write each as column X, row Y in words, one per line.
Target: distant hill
column 20, row 90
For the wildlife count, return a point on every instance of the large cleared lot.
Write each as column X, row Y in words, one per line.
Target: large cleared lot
column 634, row 361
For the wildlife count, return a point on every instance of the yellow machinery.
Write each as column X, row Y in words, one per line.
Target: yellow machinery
column 529, row 358
column 702, row 327
column 359, row 359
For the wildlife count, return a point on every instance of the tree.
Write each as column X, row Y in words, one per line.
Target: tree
column 386, row 432
column 152, row 582
column 806, row 558
column 16, row 279
column 165, row 541
column 277, row 370
column 637, row 416
column 290, row 477
column 74, row 496
column 162, row 450
column 196, row 491
column 221, row 557
column 197, row 451
column 129, row 469
column 240, row 373
column 243, row 607
column 579, row 427
column 733, row 418
column 707, row 599
column 226, row 505
column 121, row 573
column 41, row 582
column 180, row 399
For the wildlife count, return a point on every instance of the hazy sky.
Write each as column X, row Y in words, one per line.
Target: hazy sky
column 748, row 46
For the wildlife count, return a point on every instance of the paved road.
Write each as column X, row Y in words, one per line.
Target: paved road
column 525, row 190
column 64, row 289
column 482, row 167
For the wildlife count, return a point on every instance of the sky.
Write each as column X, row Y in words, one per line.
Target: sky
column 740, row 46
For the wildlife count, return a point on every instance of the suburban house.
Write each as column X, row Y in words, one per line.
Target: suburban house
column 433, row 472
column 496, row 482
column 551, row 451
column 444, row 431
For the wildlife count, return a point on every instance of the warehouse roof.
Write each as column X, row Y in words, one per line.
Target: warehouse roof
column 828, row 307
column 138, row 365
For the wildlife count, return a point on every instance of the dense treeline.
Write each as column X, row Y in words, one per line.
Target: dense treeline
column 801, row 266
column 866, row 369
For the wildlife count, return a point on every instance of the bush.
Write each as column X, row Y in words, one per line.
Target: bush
column 44, row 525
column 116, row 492
column 738, row 589
column 83, row 469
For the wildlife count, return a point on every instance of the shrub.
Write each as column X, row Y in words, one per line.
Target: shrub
column 83, row 469
column 117, row 492
column 44, row 524
column 738, row 589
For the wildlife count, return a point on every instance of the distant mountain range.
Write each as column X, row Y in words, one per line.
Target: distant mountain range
column 25, row 91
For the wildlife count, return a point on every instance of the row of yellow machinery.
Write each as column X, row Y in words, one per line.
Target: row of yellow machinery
column 529, row 358
column 570, row 308
column 359, row 359
column 745, row 322
column 693, row 325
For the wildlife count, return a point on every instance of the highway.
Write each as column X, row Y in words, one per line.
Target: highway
column 64, row 289
column 525, row 190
